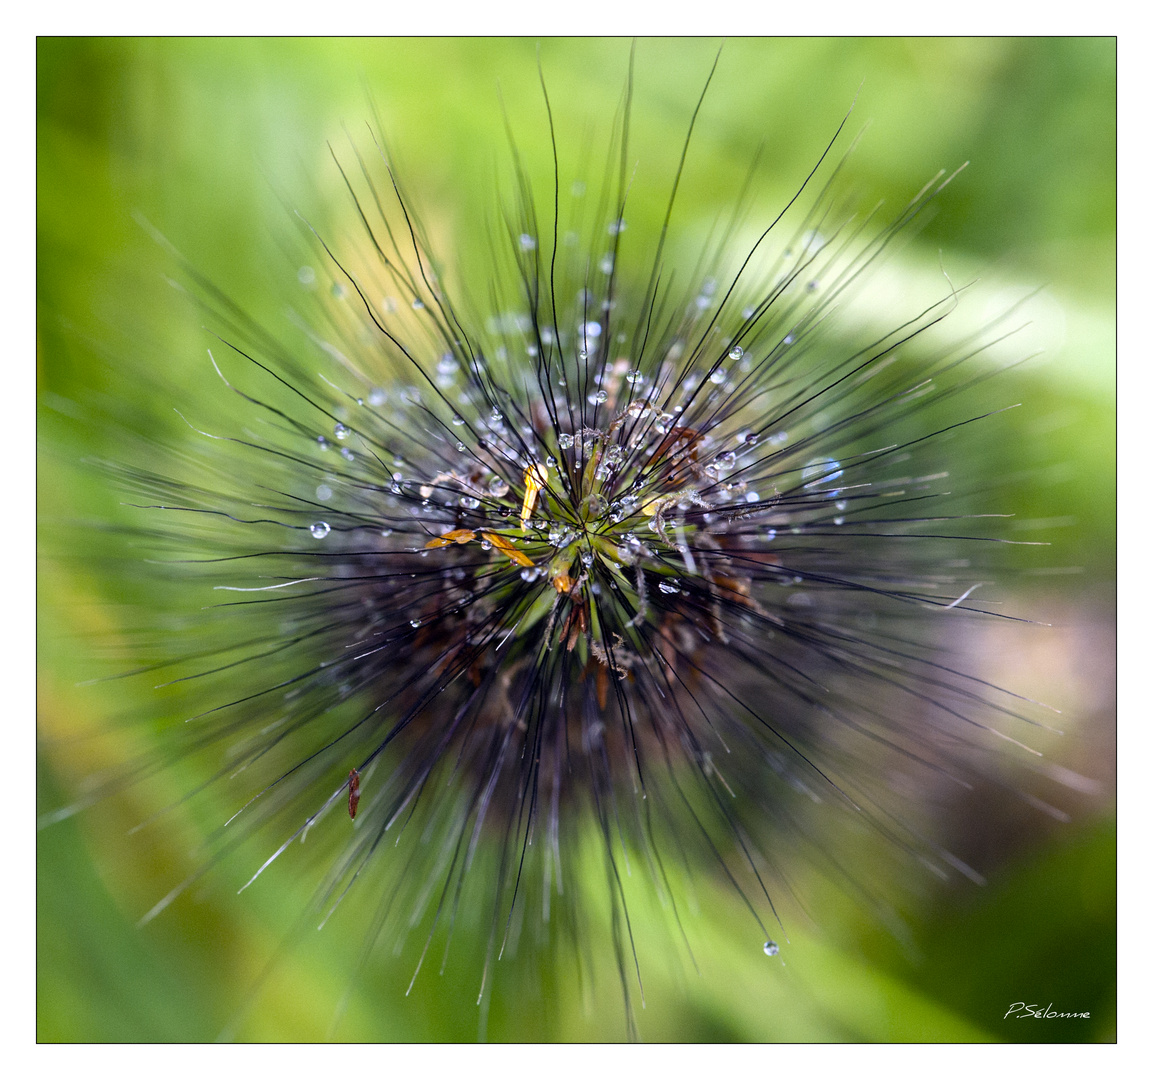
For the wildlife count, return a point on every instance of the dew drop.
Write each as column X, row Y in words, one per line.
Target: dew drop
column 565, row 441
column 414, row 623
column 469, row 503
column 667, row 587
column 320, row 529
column 822, row 471
column 340, row 431
column 772, row 948
column 323, row 492
column 306, row 276
column 457, row 421
column 736, row 352
column 376, row 397
column 718, row 376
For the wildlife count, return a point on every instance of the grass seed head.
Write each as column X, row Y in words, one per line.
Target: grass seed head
column 603, row 549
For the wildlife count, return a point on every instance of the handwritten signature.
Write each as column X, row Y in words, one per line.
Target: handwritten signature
column 1041, row 1012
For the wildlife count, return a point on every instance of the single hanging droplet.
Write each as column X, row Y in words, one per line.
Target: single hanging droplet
column 772, row 948
column 320, row 530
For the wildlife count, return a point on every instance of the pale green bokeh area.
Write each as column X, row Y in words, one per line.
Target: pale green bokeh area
column 212, row 140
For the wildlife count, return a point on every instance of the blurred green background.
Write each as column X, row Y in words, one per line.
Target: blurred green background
column 211, row 139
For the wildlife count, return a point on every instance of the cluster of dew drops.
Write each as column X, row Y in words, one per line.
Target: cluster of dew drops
column 620, row 478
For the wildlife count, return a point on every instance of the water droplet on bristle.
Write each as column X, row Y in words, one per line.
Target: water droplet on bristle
column 320, row 529
column 772, row 948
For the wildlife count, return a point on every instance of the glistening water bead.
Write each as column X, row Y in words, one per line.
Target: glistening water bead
column 635, row 555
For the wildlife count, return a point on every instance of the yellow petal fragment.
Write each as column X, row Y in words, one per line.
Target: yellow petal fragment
column 505, row 547
column 535, row 478
column 453, row 536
